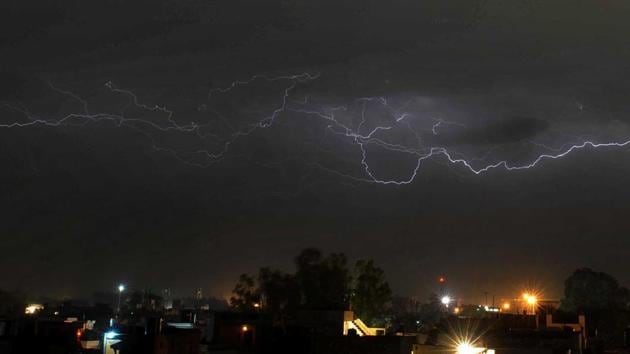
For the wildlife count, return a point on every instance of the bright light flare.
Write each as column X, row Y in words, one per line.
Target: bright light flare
column 465, row 338
column 532, row 300
column 530, row 297
column 446, row 300
column 121, row 288
column 468, row 348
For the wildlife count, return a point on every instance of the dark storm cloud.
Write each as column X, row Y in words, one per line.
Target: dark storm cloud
column 15, row 85
column 98, row 203
column 509, row 130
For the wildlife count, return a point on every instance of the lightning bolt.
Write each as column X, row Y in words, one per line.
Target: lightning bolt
column 379, row 122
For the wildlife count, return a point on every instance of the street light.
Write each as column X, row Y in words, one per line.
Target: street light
column 531, row 300
column 121, row 288
column 466, row 347
column 446, row 300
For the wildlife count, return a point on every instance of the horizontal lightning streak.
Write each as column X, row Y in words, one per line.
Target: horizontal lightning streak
column 377, row 135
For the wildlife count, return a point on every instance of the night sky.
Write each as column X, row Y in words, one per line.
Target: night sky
column 166, row 143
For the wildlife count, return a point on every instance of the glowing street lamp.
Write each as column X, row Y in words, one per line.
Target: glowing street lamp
column 446, row 300
column 531, row 300
column 121, row 288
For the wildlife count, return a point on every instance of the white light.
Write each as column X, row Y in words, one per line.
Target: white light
column 33, row 308
column 121, row 288
column 110, row 334
column 446, row 300
column 467, row 348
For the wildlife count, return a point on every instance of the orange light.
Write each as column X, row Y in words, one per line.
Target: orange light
column 532, row 300
column 79, row 333
column 245, row 328
column 442, row 280
column 256, row 305
column 456, row 310
column 506, row 306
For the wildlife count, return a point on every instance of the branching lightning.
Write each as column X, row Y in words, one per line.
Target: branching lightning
column 365, row 124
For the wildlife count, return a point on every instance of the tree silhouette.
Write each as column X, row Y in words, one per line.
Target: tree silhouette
column 371, row 294
column 589, row 291
column 324, row 281
column 600, row 297
column 245, row 293
column 280, row 294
